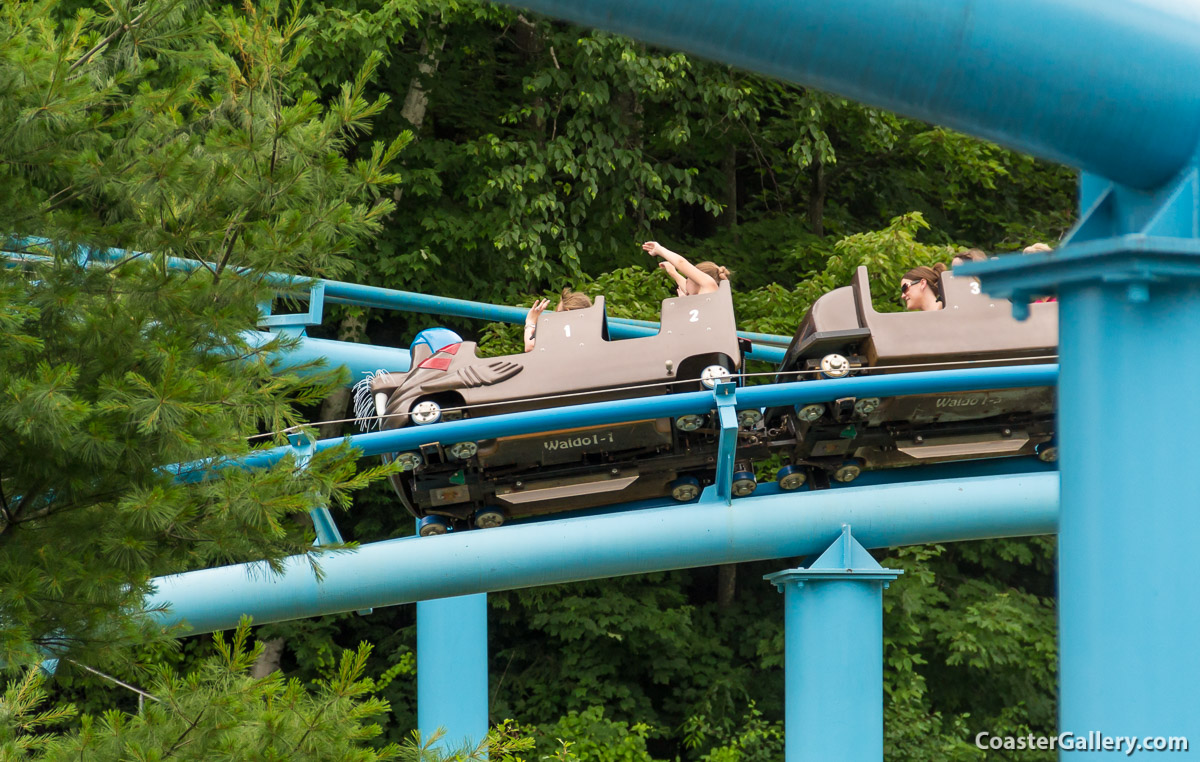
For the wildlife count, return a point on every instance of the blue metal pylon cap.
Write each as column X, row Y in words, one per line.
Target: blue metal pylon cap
column 845, row 558
column 1135, row 239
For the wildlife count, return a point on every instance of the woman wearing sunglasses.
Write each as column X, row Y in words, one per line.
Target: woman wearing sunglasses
column 919, row 288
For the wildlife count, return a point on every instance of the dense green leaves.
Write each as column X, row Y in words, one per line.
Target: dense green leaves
column 216, row 711
column 165, row 127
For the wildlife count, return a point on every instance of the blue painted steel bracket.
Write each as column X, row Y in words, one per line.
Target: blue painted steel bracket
column 725, row 395
column 844, row 559
column 303, row 447
column 314, row 315
column 1128, row 282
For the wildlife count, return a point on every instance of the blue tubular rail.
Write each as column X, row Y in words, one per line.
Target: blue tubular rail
column 770, row 349
column 1105, row 86
column 359, row 359
column 573, row 549
column 671, row 405
column 619, row 328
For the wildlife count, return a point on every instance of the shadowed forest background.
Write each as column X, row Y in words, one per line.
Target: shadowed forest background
column 459, row 149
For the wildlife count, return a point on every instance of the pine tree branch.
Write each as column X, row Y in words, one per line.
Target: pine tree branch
column 112, row 679
column 311, row 723
column 4, row 504
column 15, row 518
column 106, row 41
column 38, row 514
column 178, row 741
column 14, row 515
column 232, row 233
column 54, row 206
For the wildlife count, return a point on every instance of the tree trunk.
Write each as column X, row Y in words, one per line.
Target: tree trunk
column 528, row 39
column 816, row 199
column 729, row 167
column 726, row 585
column 416, row 101
column 268, row 660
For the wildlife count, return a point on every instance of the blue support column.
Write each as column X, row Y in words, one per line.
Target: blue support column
column 452, row 670
column 1128, row 607
column 833, row 654
column 1128, row 283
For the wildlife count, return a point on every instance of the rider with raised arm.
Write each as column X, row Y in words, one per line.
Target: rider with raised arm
column 568, row 300
column 700, row 278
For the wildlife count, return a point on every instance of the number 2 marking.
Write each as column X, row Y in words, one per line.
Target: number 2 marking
column 567, row 329
column 695, row 316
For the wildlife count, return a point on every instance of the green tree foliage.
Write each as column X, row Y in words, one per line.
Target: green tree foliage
column 170, row 128
column 547, row 152
column 589, row 735
column 217, row 711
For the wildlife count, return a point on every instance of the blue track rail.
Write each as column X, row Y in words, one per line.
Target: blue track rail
column 672, row 405
column 956, row 501
column 643, row 538
column 766, row 347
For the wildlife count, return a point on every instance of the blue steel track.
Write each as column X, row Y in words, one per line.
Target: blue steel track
column 972, row 500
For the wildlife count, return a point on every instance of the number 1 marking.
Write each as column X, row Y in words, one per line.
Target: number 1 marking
column 567, row 328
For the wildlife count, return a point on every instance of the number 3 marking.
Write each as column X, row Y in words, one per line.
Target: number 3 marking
column 695, row 316
column 975, row 287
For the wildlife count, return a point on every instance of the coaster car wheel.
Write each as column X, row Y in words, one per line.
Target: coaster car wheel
column 488, row 518
column 426, row 412
column 713, row 375
column 791, row 478
column 847, row 472
column 744, row 484
column 685, row 488
column 431, row 525
column 1047, row 452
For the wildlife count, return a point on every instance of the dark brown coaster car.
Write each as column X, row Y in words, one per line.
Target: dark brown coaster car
column 843, row 335
column 574, row 362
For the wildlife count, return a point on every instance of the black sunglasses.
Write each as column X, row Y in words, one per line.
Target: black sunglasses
column 904, row 288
